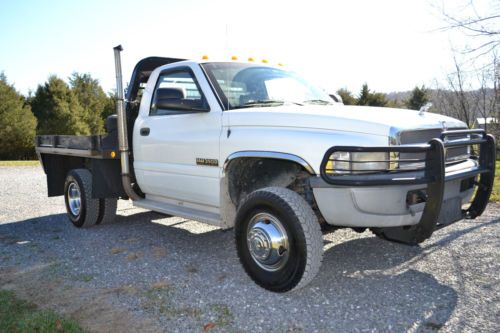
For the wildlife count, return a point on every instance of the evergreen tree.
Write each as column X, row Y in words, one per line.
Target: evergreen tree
column 366, row 97
column 418, row 98
column 110, row 107
column 17, row 124
column 58, row 110
column 347, row 96
column 377, row 99
column 92, row 98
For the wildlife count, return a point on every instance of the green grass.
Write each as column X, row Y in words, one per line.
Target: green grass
column 495, row 194
column 17, row 315
column 19, row 163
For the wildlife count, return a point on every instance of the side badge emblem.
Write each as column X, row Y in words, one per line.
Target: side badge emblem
column 207, row 161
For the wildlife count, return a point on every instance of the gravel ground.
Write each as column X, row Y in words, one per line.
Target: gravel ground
column 151, row 273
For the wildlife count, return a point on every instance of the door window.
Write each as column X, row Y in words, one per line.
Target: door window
column 176, row 93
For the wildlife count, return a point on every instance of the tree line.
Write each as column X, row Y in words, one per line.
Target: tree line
column 56, row 107
column 417, row 98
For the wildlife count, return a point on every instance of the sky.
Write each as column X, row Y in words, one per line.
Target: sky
column 393, row 45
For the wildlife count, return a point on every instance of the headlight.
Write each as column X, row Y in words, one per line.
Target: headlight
column 355, row 163
column 369, row 161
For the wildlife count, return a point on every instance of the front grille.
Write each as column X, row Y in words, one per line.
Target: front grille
column 453, row 155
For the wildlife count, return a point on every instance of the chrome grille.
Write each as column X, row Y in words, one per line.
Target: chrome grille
column 453, row 155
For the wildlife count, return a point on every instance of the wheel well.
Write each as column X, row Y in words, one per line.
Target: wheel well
column 247, row 174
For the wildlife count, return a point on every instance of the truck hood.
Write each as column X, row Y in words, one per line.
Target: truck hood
column 360, row 119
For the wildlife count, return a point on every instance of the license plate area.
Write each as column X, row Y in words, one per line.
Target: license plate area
column 451, row 211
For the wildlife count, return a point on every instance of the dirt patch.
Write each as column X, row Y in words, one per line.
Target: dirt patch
column 90, row 307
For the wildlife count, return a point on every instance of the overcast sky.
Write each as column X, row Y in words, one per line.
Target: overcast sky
column 391, row 45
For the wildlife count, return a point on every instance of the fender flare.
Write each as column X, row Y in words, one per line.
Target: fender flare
column 270, row 155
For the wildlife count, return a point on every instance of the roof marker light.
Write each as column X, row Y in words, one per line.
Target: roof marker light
column 234, row 58
column 205, row 57
column 251, row 59
column 264, row 61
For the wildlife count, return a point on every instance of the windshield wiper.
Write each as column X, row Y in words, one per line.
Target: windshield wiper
column 318, row 102
column 264, row 103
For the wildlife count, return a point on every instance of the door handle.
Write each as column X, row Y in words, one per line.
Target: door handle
column 144, row 131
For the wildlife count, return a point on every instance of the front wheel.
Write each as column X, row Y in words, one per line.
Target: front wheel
column 278, row 239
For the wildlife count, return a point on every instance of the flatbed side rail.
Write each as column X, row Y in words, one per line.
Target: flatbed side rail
column 90, row 146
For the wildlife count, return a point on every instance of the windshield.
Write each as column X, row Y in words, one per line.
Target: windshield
column 243, row 85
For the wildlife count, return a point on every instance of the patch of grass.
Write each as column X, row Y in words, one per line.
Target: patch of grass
column 222, row 313
column 84, row 277
column 54, row 269
column 17, row 315
column 495, row 194
column 159, row 298
column 19, row 163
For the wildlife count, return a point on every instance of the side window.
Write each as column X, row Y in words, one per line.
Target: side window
column 176, row 93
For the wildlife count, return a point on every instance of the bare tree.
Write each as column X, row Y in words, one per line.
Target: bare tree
column 478, row 20
column 487, row 96
column 458, row 97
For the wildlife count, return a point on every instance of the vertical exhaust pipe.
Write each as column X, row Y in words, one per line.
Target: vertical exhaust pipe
column 122, row 128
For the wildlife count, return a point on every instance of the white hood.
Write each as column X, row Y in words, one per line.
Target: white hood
column 361, row 119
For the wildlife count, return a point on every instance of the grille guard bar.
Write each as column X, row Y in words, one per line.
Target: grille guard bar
column 433, row 175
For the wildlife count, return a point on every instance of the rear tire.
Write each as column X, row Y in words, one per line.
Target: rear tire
column 107, row 210
column 82, row 209
column 278, row 239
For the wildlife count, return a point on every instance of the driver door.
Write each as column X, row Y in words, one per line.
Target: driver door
column 176, row 141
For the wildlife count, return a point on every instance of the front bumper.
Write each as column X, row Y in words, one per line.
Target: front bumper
column 380, row 199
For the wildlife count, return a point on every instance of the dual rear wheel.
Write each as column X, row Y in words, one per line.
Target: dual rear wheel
column 83, row 210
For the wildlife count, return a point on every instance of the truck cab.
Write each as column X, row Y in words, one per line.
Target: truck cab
column 258, row 148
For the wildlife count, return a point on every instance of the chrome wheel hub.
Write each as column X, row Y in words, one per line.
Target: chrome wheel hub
column 267, row 242
column 74, row 198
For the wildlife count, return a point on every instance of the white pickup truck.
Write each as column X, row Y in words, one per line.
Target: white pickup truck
column 257, row 148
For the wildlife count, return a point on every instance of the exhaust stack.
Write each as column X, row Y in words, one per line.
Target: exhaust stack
column 122, row 128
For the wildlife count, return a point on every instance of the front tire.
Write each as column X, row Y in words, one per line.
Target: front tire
column 278, row 239
column 82, row 209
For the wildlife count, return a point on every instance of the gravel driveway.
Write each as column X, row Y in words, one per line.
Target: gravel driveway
column 151, row 273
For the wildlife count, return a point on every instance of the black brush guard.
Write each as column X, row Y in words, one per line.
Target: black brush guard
column 433, row 174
